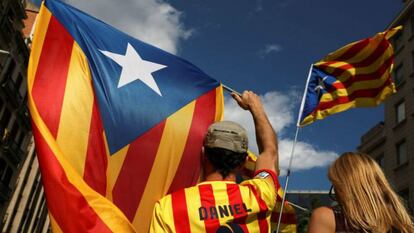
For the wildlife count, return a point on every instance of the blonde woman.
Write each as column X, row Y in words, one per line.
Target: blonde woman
column 366, row 200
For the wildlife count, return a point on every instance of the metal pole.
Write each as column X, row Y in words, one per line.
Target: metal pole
column 230, row 89
column 4, row 51
column 293, row 149
column 298, row 206
column 287, row 180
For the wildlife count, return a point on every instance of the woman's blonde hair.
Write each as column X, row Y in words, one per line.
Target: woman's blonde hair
column 366, row 197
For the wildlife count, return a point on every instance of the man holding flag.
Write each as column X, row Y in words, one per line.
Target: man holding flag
column 218, row 204
column 119, row 123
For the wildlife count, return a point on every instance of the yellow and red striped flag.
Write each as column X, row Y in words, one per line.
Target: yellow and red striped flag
column 357, row 75
column 117, row 123
column 288, row 223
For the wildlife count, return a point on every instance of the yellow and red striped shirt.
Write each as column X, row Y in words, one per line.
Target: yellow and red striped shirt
column 209, row 205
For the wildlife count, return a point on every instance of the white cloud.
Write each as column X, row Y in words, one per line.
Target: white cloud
column 153, row 21
column 279, row 108
column 270, row 48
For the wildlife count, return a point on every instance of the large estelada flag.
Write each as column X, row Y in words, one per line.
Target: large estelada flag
column 117, row 123
column 357, row 75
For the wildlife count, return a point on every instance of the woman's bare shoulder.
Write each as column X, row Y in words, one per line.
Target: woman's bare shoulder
column 322, row 221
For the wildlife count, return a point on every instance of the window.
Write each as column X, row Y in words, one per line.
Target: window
column 398, row 75
column 400, row 112
column 380, row 160
column 402, row 153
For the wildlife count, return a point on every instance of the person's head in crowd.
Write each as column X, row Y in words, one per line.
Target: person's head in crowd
column 365, row 196
column 225, row 148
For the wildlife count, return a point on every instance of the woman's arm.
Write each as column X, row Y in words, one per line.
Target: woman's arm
column 322, row 221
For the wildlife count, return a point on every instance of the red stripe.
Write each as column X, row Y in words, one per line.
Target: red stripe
column 378, row 52
column 355, row 49
column 49, row 84
column 188, row 170
column 287, row 218
column 135, row 171
column 261, row 216
column 96, row 161
column 235, row 198
column 180, row 212
column 366, row 77
column 207, row 201
column 365, row 93
column 64, row 201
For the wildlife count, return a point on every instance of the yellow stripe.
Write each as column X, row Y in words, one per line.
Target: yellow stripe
column 372, row 45
column 193, row 202
column 42, row 23
column 109, row 213
column 250, row 200
column 338, row 53
column 392, row 32
column 373, row 67
column 223, row 199
column 285, row 228
column 115, row 163
column 363, row 53
column 219, row 104
column 360, row 70
column 54, row 225
column 356, row 86
column 358, row 102
column 165, row 213
column 166, row 162
column 74, row 125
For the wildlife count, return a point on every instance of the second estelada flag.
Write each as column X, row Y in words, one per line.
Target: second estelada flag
column 357, row 75
column 117, row 123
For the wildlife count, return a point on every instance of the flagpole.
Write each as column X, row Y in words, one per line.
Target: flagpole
column 230, row 89
column 293, row 149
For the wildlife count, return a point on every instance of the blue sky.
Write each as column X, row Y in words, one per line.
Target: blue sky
column 230, row 42
column 265, row 46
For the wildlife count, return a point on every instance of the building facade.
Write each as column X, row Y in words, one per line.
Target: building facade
column 391, row 142
column 22, row 204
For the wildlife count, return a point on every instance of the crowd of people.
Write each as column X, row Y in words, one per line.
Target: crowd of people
column 366, row 201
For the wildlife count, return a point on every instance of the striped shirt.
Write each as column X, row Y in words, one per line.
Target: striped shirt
column 211, row 205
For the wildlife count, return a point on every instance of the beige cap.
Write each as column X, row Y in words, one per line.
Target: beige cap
column 227, row 135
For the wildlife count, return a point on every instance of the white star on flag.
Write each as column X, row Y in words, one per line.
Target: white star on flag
column 321, row 84
column 134, row 68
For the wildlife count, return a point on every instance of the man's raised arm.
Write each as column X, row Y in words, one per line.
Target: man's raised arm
column 265, row 135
